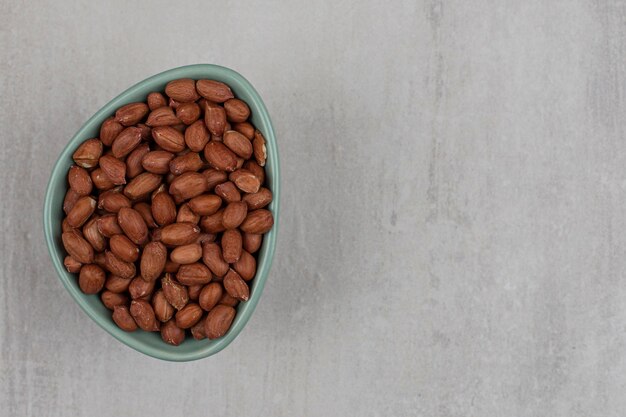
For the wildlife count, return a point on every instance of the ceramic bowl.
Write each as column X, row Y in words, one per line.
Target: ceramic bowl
column 145, row 342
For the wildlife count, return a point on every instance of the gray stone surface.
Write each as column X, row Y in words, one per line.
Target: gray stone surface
column 452, row 234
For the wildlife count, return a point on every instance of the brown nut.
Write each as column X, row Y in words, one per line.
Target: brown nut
column 91, row 279
column 118, row 267
column 194, row 274
column 213, row 223
column 231, row 245
column 235, row 286
column 189, row 162
column 153, row 260
column 108, row 226
column 188, row 316
column 142, row 185
column 245, row 266
column 197, row 330
column 258, row 222
column 228, row 300
column 186, row 254
column 205, row 205
column 218, row 321
column 228, row 191
column 188, row 113
column 77, row 247
column 146, row 132
column 259, row 199
column 212, row 257
column 215, row 91
column 123, row 319
column 133, row 225
column 220, row 157
column 133, row 161
column 260, row 150
column 112, row 299
column 146, row 212
column 65, row 227
column 214, row 177
column 157, row 162
column 126, row 141
column 79, row 180
column 175, row 293
column 185, row 215
column 194, row 291
column 156, row 100
column 71, row 197
column 210, row 295
column 123, row 248
column 238, row 143
column 172, row 334
column 163, row 310
column 140, row 288
column 188, row 185
column 252, row 242
column 245, row 180
column 82, row 210
column 236, row 110
column 169, row 138
column 163, row 208
column 131, row 114
column 163, row 116
column 234, row 214
column 109, row 131
column 245, row 129
column 72, row 265
column 112, row 201
column 252, row 166
column 100, row 180
column 182, row 90
column 88, row 153
column 117, row 284
column 114, row 169
column 178, row 234
column 214, row 118
column 197, row 136
column 143, row 314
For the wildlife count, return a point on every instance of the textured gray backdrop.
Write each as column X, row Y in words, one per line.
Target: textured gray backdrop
column 452, row 232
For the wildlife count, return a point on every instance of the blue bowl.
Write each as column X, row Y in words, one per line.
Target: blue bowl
column 150, row 343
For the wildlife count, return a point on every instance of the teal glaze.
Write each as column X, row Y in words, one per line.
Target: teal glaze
column 145, row 342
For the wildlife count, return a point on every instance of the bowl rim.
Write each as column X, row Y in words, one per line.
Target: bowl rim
column 245, row 310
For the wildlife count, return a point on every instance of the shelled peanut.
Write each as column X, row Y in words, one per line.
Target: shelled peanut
column 166, row 210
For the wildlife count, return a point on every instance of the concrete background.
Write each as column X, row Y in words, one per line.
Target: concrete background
column 452, row 239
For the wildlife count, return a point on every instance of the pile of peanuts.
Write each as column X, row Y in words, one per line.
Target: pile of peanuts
column 166, row 211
